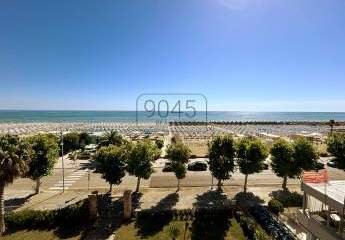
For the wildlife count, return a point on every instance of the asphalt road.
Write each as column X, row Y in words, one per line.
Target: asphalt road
column 80, row 179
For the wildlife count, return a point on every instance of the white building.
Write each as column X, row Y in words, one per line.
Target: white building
column 322, row 215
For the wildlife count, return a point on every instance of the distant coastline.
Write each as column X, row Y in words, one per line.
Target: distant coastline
column 34, row 116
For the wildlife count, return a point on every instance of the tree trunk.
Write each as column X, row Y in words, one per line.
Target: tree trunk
column 245, row 183
column 178, row 184
column 38, row 184
column 2, row 210
column 111, row 188
column 284, row 183
column 219, row 185
column 138, row 185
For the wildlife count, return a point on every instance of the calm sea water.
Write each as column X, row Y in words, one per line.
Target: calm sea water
column 125, row 116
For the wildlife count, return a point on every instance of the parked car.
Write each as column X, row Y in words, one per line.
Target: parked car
column 197, row 166
column 319, row 166
column 167, row 167
column 332, row 163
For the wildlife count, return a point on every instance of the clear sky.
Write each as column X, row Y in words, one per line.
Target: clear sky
column 273, row 55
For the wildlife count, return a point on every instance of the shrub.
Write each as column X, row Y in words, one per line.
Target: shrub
column 289, row 199
column 37, row 219
column 336, row 146
column 275, row 206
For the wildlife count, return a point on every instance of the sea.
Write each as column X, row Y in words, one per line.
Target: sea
column 31, row 116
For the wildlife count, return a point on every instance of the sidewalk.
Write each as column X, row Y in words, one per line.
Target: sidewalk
column 43, row 201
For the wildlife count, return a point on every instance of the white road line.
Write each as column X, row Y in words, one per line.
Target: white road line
column 79, row 174
column 60, row 184
column 67, row 181
column 70, row 179
column 57, row 188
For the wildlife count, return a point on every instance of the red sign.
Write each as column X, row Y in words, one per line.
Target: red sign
column 315, row 176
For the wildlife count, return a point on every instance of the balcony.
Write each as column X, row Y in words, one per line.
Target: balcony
column 316, row 225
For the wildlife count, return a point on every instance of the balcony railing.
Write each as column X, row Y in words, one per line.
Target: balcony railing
column 316, row 225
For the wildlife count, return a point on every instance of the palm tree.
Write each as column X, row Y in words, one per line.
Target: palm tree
column 111, row 138
column 14, row 158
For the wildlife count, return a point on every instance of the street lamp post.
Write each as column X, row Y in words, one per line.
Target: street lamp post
column 63, row 165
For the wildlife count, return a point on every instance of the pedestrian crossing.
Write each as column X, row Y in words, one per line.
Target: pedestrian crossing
column 70, row 180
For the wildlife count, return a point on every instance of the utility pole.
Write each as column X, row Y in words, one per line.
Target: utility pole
column 63, row 165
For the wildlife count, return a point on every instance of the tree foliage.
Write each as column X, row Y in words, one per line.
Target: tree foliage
column 110, row 161
column 178, row 154
column 305, row 154
column 112, row 138
column 15, row 156
column 336, row 146
column 70, row 142
column 45, row 152
column 73, row 141
column 140, row 160
column 283, row 163
column 222, row 152
column 251, row 155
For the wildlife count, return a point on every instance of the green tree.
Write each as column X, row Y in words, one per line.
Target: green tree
column 45, row 152
column 305, row 154
column 251, row 155
column 222, row 152
column 70, row 142
column 140, row 160
column 283, row 163
column 84, row 139
column 179, row 155
column 110, row 162
column 14, row 158
column 336, row 146
column 111, row 138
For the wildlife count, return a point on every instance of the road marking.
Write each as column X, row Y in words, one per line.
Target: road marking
column 60, row 184
column 67, row 181
column 57, row 188
column 70, row 179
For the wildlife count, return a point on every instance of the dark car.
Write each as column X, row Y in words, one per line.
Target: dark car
column 197, row 166
column 332, row 164
column 319, row 166
column 167, row 167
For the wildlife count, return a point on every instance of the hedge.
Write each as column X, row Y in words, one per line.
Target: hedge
column 43, row 219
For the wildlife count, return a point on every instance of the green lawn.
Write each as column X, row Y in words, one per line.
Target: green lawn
column 34, row 235
column 130, row 232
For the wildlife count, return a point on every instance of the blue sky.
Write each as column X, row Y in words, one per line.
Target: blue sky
column 266, row 55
